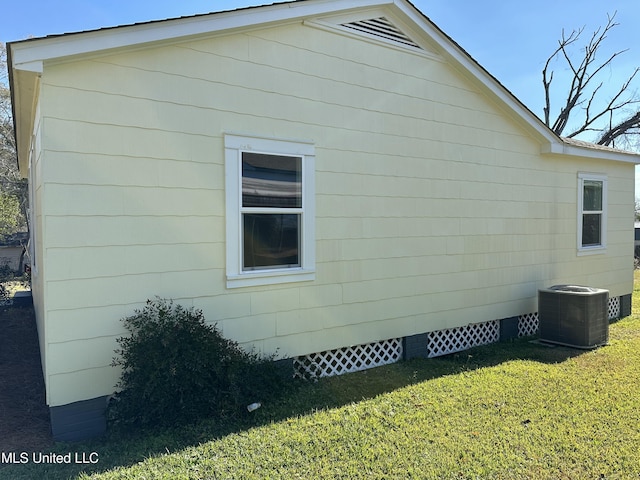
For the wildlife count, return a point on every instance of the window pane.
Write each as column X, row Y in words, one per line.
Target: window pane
column 591, row 229
column 271, row 240
column 271, row 181
column 592, row 200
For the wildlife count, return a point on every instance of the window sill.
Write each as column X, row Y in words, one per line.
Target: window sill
column 591, row 251
column 270, row 277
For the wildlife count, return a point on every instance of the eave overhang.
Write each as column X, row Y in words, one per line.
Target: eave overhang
column 24, row 86
column 578, row 148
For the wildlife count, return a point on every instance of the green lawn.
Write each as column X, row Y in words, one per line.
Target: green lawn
column 514, row 410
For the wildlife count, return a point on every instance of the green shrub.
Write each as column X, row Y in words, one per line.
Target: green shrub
column 6, row 276
column 176, row 369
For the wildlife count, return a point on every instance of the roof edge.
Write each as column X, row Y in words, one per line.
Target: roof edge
column 59, row 46
column 574, row 147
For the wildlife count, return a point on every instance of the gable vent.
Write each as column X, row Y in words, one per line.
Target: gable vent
column 381, row 27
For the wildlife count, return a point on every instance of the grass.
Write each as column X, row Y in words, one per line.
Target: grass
column 14, row 286
column 514, row 410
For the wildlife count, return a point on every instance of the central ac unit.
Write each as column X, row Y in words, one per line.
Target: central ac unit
column 574, row 315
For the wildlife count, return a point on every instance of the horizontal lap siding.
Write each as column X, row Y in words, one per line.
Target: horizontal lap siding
column 433, row 209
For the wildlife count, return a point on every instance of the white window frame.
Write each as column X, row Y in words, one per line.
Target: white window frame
column 235, row 145
column 602, row 247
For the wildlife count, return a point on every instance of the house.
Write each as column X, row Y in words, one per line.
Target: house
column 336, row 181
column 12, row 250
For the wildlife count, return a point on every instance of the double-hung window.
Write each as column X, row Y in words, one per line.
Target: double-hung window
column 270, row 210
column 592, row 213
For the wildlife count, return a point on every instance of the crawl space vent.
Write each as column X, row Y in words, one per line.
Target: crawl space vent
column 383, row 28
column 348, row 359
column 451, row 340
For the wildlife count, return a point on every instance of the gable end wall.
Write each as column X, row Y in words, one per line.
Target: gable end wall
column 432, row 209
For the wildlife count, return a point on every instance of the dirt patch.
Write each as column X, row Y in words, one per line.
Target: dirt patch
column 24, row 416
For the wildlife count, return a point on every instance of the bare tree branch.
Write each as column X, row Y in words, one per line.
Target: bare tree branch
column 565, row 42
column 629, row 126
column 612, row 107
column 584, row 101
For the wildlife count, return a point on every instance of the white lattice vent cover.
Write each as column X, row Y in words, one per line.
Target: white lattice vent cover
column 454, row 340
column 614, row 308
column 348, row 359
column 528, row 324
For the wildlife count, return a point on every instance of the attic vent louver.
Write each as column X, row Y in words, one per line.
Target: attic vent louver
column 381, row 27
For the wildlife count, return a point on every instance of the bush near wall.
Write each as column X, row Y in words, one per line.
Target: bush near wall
column 10, row 282
column 176, row 368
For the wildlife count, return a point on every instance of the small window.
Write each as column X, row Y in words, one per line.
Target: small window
column 592, row 213
column 270, row 211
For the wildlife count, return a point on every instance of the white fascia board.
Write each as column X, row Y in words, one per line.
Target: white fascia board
column 35, row 66
column 563, row 148
column 24, row 94
column 598, row 154
column 95, row 41
column 553, row 148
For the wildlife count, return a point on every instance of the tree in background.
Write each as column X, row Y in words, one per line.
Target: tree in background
column 13, row 189
column 615, row 122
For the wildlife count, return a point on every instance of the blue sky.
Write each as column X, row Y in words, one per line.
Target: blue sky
column 510, row 39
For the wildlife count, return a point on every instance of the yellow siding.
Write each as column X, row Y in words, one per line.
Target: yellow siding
column 433, row 209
